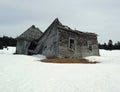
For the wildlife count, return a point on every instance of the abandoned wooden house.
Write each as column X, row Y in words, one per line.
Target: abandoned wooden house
column 25, row 40
column 60, row 41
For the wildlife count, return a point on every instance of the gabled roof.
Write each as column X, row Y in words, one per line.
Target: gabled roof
column 31, row 33
column 56, row 22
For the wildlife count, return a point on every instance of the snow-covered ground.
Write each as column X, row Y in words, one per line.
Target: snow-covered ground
column 8, row 50
column 21, row 73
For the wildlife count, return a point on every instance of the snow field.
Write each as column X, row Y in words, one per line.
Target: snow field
column 21, row 73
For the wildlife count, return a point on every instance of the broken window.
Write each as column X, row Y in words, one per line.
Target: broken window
column 90, row 47
column 72, row 43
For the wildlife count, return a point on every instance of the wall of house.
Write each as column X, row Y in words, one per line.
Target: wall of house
column 81, row 45
column 22, row 46
column 48, row 45
column 91, row 46
column 64, row 44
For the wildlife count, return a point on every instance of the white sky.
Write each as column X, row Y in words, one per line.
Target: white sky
column 99, row 16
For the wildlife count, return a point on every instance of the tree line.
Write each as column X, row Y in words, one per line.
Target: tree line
column 7, row 41
column 110, row 45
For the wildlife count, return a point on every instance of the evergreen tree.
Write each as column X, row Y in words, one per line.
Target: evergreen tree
column 1, row 45
column 105, row 46
column 110, row 45
column 117, row 45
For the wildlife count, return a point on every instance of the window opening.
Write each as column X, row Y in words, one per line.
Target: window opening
column 72, row 44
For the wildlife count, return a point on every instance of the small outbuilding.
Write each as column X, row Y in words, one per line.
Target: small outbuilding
column 25, row 40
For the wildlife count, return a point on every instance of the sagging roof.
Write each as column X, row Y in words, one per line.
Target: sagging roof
column 74, row 31
column 31, row 33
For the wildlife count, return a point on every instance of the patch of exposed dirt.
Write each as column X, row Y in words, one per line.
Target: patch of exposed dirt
column 68, row 60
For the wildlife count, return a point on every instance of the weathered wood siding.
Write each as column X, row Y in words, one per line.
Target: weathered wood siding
column 64, row 49
column 90, row 48
column 48, row 44
column 31, row 34
column 84, row 44
column 25, row 39
column 22, row 46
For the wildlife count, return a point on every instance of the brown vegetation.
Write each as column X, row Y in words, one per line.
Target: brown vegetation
column 67, row 60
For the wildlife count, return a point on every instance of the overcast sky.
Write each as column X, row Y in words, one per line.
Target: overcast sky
column 98, row 16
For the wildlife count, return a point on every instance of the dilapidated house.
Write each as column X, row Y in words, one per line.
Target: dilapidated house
column 25, row 40
column 63, row 42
